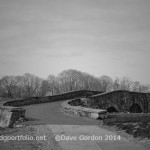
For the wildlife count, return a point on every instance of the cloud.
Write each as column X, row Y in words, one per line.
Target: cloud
column 110, row 35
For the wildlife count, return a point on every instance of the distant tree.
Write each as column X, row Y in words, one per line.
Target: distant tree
column 90, row 82
column 53, row 85
column 138, row 87
column 69, row 80
column 116, row 84
column 125, row 84
column 44, row 88
column 106, row 83
column 7, row 86
column 19, row 91
column 32, row 84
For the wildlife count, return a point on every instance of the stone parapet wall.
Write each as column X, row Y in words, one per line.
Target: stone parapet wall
column 9, row 115
column 64, row 96
column 82, row 111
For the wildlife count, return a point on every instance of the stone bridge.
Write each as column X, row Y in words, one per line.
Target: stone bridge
column 115, row 101
column 121, row 101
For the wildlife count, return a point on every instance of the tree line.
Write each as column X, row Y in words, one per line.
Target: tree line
column 29, row 85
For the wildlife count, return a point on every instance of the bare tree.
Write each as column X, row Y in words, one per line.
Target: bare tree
column 125, row 84
column 44, row 88
column 138, row 87
column 75, row 80
column 90, row 82
column 116, row 84
column 69, row 80
column 7, row 86
column 32, row 84
column 106, row 83
column 19, row 91
column 53, row 85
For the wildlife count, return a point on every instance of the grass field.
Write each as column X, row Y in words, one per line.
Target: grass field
column 136, row 132
column 140, row 130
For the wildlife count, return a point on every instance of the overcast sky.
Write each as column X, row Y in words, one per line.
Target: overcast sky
column 100, row 37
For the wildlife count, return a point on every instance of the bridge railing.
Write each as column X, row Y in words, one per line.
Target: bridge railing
column 64, row 96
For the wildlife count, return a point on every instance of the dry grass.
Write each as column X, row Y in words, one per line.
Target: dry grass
column 138, row 130
column 135, row 132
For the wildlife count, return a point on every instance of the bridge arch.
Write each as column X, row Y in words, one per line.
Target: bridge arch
column 112, row 109
column 135, row 108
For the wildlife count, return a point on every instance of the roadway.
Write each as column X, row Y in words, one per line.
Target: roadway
column 49, row 113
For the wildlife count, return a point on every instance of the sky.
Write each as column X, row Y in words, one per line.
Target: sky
column 100, row 37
